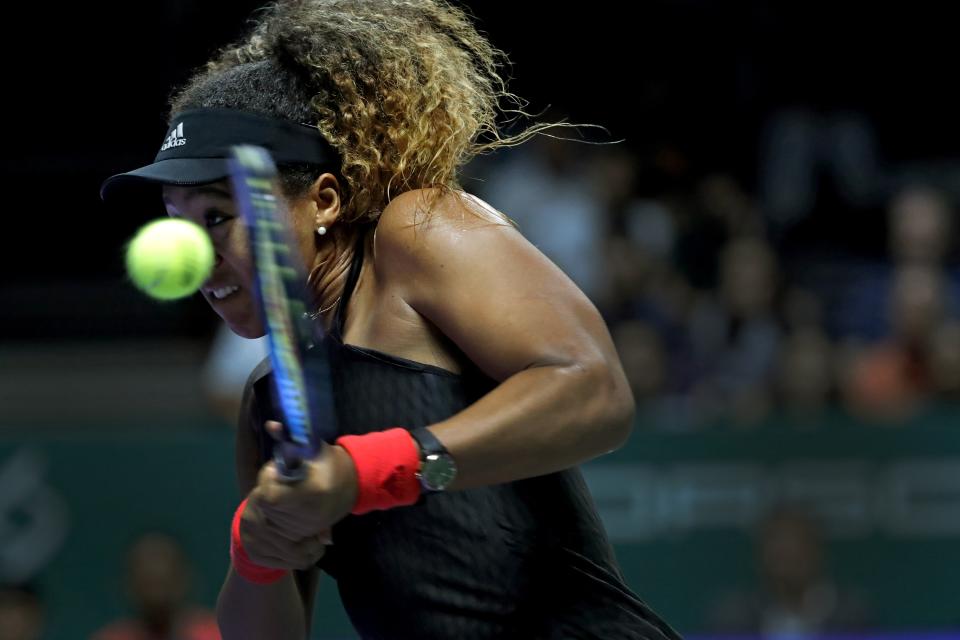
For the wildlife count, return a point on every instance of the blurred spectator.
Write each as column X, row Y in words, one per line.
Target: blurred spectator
column 806, row 375
column 722, row 198
column 158, row 584
column 889, row 381
column 641, row 353
column 650, row 227
column 796, row 596
column 919, row 234
column 920, row 227
column 653, row 377
column 21, row 613
column 748, row 279
column 736, row 334
column 546, row 188
column 643, row 282
column 690, row 228
column 229, row 363
column 613, row 173
column 917, row 304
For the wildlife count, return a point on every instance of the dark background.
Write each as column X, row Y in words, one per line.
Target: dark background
column 86, row 88
column 111, row 428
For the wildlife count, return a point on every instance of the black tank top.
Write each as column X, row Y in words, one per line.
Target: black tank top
column 526, row 560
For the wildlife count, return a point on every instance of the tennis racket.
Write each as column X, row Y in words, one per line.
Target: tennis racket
column 302, row 385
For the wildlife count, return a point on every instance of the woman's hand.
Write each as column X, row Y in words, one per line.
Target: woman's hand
column 287, row 525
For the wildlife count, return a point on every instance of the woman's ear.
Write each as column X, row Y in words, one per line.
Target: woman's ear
column 325, row 195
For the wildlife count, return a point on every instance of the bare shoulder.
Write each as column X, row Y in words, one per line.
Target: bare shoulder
column 468, row 271
column 423, row 222
column 419, row 207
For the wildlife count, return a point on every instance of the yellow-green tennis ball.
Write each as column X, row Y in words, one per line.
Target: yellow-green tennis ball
column 169, row 259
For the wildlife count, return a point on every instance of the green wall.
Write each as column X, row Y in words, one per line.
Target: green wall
column 680, row 508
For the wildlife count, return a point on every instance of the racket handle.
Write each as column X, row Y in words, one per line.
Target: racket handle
column 289, row 460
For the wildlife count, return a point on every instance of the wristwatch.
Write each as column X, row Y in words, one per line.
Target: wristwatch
column 437, row 468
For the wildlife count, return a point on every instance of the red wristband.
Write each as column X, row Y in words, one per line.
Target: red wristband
column 386, row 463
column 242, row 562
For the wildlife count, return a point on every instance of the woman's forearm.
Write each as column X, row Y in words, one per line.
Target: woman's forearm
column 248, row 611
column 538, row 421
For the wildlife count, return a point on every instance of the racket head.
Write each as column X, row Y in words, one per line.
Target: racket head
column 301, row 373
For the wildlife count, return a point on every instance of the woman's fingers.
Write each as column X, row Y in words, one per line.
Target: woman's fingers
column 275, row 429
column 277, row 562
column 276, row 552
column 270, row 544
column 285, row 529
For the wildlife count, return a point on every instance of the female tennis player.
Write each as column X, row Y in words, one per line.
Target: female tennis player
column 471, row 375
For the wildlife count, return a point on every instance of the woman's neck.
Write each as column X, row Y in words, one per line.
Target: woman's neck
column 328, row 277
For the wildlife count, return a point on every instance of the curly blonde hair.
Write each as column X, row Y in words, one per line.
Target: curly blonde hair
column 408, row 91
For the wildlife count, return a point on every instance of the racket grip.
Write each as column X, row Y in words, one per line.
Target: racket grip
column 288, row 457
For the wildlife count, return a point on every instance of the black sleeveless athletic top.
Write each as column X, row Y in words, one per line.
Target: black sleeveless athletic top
column 526, row 560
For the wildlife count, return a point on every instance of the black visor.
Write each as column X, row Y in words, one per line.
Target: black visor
column 199, row 143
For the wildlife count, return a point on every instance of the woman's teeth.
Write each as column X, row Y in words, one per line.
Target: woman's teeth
column 223, row 292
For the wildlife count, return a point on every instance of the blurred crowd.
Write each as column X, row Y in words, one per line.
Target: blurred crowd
column 794, row 596
column 819, row 283
column 824, row 283
column 157, row 582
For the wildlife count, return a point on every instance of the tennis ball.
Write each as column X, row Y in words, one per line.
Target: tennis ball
column 169, row 259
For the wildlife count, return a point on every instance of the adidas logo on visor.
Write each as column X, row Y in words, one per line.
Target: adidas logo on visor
column 175, row 139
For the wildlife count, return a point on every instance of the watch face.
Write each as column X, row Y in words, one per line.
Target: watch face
column 438, row 471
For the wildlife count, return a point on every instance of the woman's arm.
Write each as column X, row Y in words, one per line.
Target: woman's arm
column 246, row 610
column 563, row 397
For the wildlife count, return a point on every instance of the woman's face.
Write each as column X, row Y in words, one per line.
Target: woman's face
column 230, row 287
